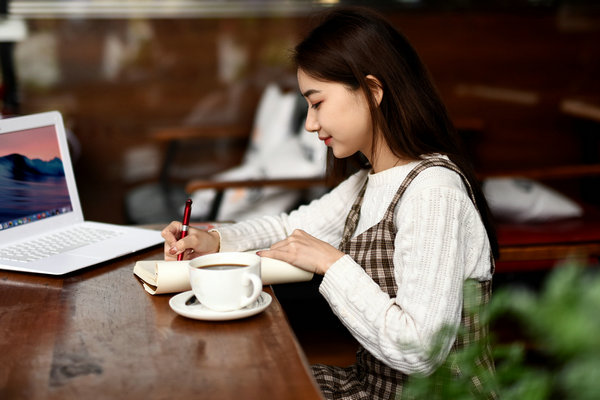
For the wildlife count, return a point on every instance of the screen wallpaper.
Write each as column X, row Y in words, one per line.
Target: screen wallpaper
column 32, row 177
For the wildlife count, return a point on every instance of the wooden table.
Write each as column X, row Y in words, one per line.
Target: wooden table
column 97, row 334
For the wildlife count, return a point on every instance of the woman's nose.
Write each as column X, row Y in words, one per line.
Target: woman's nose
column 311, row 123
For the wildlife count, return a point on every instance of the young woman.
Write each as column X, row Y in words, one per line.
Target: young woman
column 397, row 239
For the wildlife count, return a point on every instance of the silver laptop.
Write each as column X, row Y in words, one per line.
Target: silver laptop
column 42, row 229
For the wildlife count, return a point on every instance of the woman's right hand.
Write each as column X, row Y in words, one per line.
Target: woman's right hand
column 196, row 243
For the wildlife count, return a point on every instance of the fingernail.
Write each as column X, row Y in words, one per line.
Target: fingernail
column 173, row 250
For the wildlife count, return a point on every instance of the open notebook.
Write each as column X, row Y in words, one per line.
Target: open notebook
column 159, row 277
column 42, row 228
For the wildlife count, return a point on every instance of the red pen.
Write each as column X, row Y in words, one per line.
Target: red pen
column 186, row 223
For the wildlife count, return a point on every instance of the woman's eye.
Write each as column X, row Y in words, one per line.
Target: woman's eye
column 316, row 105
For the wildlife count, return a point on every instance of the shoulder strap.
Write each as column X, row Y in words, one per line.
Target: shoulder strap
column 423, row 165
column 353, row 215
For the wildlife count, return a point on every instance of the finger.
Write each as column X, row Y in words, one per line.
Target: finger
column 168, row 252
column 188, row 254
column 193, row 242
column 299, row 233
column 280, row 244
column 173, row 249
column 288, row 257
column 171, row 232
column 174, row 226
column 276, row 254
column 297, row 236
column 180, row 246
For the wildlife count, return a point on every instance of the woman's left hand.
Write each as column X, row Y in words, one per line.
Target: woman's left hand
column 304, row 251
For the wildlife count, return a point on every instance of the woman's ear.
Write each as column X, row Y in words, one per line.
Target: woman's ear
column 376, row 88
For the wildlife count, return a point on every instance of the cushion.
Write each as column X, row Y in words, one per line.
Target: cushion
column 526, row 200
column 275, row 152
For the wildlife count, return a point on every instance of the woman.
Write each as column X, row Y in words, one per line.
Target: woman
column 395, row 241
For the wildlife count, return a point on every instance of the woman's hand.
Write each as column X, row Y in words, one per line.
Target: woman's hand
column 196, row 243
column 304, row 251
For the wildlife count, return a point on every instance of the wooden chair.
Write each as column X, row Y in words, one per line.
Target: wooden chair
column 175, row 139
column 534, row 246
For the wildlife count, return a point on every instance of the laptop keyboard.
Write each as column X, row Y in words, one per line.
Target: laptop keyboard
column 55, row 243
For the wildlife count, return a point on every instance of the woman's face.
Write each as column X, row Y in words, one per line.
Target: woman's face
column 339, row 116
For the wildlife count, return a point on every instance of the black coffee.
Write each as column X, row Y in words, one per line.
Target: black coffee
column 223, row 267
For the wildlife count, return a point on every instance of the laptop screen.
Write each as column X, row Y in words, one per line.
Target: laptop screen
column 33, row 185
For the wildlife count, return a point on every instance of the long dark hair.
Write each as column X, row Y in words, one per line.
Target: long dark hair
column 350, row 43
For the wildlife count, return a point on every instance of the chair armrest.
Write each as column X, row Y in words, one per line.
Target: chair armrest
column 205, row 132
column 548, row 173
column 299, row 183
column 585, row 108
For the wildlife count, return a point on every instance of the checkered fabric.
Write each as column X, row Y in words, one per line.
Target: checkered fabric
column 369, row 378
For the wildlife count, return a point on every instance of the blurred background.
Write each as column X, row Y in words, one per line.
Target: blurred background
column 515, row 75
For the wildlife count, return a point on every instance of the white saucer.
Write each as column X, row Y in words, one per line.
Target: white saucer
column 199, row 311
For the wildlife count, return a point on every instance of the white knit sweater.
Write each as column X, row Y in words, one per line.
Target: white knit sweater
column 440, row 243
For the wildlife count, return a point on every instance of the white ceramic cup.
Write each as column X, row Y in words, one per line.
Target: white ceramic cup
column 226, row 281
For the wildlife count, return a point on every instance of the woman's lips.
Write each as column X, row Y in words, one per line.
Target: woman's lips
column 327, row 140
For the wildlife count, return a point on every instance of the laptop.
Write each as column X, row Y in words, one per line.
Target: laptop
column 42, row 228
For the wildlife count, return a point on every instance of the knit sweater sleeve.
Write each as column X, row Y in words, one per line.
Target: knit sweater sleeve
column 320, row 218
column 435, row 232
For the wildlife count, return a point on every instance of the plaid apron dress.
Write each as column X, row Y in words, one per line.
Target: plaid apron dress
column 373, row 249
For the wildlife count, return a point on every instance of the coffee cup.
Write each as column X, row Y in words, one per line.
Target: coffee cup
column 226, row 281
